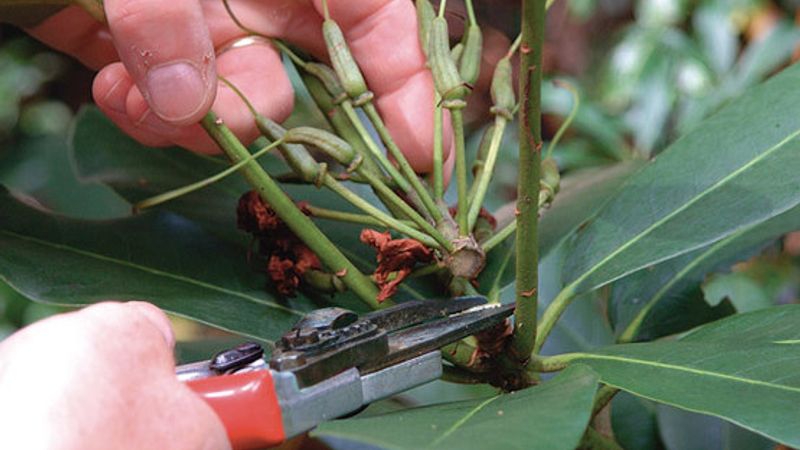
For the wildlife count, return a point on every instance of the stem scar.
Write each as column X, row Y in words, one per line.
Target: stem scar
column 528, row 293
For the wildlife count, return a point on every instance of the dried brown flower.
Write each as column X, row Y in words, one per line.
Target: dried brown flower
column 395, row 257
column 288, row 258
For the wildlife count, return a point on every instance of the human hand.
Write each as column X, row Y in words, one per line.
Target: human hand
column 103, row 377
column 159, row 63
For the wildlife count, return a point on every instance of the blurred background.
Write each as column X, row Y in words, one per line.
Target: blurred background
column 647, row 71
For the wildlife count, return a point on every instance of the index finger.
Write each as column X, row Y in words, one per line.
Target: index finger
column 382, row 35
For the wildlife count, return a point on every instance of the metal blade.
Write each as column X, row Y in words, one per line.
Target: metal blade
column 415, row 312
column 424, row 338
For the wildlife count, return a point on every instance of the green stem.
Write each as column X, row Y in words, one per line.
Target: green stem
column 438, row 150
column 551, row 315
column 555, row 363
column 604, row 395
column 457, row 117
column 527, row 252
column 442, row 7
column 390, row 196
column 514, row 46
column 173, row 194
column 372, row 146
column 594, row 440
column 576, row 104
column 484, row 175
column 405, row 167
column 424, row 271
column 386, row 219
column 471, row 12
column 500, row 236
column 300, row 224
column 343, row 216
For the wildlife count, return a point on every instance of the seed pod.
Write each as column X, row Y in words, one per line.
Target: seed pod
column 298, row 158
column 445, row 73
column 425, row 15
column 470, row 64
column 329, row 79
column 329, row 143
column 550, row 181
column 483, row 151
column 344, row 64
column 550, row 174
column 503, row 89
column 456, row 52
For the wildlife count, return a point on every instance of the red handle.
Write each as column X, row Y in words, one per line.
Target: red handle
column 247, row 404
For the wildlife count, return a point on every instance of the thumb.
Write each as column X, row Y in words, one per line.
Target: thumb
column 166, row 48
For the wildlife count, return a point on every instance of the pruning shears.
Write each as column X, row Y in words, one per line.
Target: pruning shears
column 332, row 363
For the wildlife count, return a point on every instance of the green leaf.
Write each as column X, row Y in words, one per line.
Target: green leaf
column 682, row 430
column 582, row 195
column 633, row 420
column 736, row 169
column 744, row 369
column 745, row 293
column 550, row 416
column 40, row 167
column 159, row 257
column 667, row 298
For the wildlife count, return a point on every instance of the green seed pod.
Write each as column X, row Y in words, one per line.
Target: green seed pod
column 550, row 181
column 470, row 64
column 483, row 150
column 550, row 174
column 323, row 281
column 456, row 52
column 339, row 122
column 425, row 15
column 329, row 79
column 298, row 158
column 344, row 64
column 329, row 143
column 445, row 73
column 503, row 89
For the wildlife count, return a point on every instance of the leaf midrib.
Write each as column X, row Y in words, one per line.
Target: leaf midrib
column 460, row 422
column 691, row 370
column 148, row 270
column 633, row 328
column 685, row 206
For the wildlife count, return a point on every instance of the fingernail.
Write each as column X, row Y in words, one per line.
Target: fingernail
column 175, row 91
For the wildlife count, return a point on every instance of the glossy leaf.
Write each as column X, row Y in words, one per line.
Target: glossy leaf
column 583, row 326
column 683, row 430
column 39, row 167
column 159, row 257
column 669, row 294
column 634, row 422
column 550, row 416
column 745, row 369
column 581, row 196
column 736, row 170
